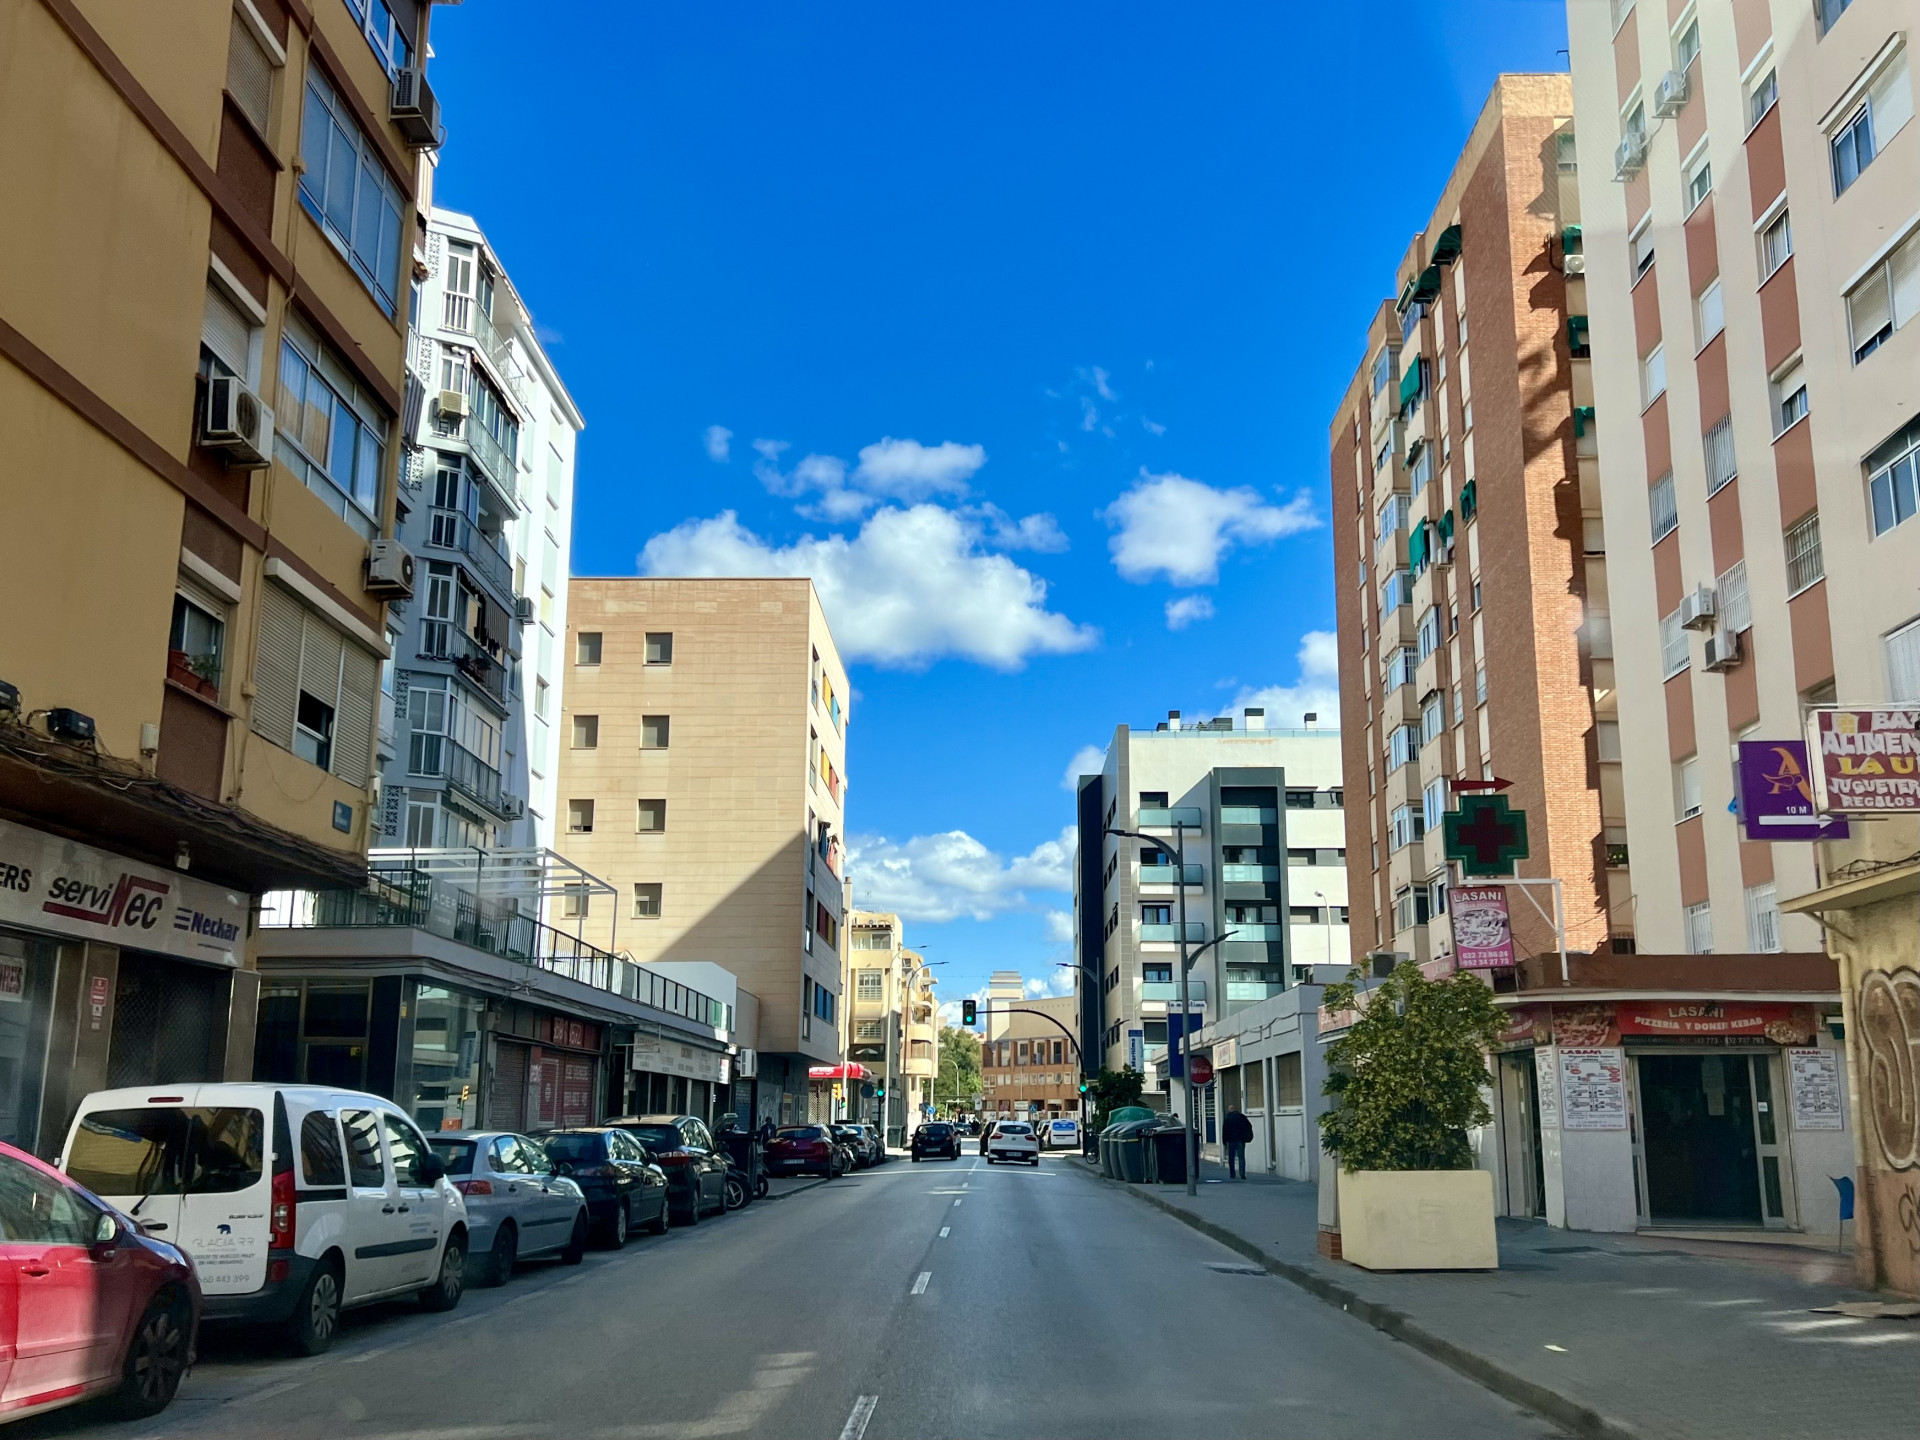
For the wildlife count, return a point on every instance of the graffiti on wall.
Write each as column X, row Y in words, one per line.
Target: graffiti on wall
column 1887, row 1012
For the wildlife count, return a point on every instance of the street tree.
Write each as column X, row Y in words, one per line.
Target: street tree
column 1113, row 1090
column 959, row 1078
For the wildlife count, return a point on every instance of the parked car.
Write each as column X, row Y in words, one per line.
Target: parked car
column 936, row 1137
column 866, row 1153
column 875, row 1140
column 804, row 1150
column 517, row 1207
column 622, row 1185
column 696, row 1166
column 1012, row 1140
column 293, row 1201
column 89, row 1306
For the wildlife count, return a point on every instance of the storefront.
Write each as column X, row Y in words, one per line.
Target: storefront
column 675, row 1075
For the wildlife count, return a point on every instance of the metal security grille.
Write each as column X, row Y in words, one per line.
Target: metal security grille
column 507, row 1093
column 169, row 1022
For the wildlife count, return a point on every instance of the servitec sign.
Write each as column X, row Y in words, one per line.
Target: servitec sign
column 47, row 883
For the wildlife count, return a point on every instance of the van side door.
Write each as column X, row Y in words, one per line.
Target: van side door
column 375, row 1228
column 422, row 1210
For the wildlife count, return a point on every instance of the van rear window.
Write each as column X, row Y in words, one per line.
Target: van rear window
column 320, row 1150
column 164, row 1150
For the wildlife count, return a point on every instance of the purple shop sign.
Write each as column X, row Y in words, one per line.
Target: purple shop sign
column 1482, row 929
column 1776, row 794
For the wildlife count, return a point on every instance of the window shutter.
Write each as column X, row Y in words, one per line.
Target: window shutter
column 227, row 333
column 320, row 649
column 276, row 665
column 250, row 74
column 353, row 719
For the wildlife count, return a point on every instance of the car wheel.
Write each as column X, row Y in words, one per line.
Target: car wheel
column 692, row 1215
column 316, row 1315
column 916, row 1157
column 506, row 1250
column 156, row 1360
column 615, row 1234
column 576, row 1247
column 662, row 1222
column 445, row 1291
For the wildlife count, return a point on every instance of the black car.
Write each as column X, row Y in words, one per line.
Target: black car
column 623, row 1187
column 696, row 1166
column 867, row 1151
column 936, row 1137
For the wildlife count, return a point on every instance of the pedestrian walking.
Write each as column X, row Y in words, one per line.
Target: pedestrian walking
column 1237, row 1131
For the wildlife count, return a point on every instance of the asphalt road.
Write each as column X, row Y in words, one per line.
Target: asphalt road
column 934, row 1300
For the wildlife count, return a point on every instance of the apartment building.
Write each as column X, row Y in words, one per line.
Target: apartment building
column 703, row 776
column 1030, row 1062
column 202, row 318
column 1750, row 178
column 893, row 1027
column 469, row 754
column 1470, row 560
column 1259, row 812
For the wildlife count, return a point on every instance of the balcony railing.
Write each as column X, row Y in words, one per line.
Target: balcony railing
column 1239, row 931
column 1151, row 933
column 1254, row 989
column 439, row 640
column 1249, row 874
column 450, row 530
column 1166, row 874
column 441, row 756
column 493, row 457
column 1248, row 815
column 1170, row 990
column 1163, row 817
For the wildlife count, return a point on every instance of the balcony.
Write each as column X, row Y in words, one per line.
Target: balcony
column 461, row 314
column 1168, row 991
column 1249, row 874
column 1237, row 931
column 1163, row 817
column 1170, row 875
column 1170, row 934
column 1248, row 991
column 450, row 530
column 440, row 641
column 1248, row 815
column 492, row 457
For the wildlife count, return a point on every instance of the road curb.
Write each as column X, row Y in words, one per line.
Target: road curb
column 770, row 1197
column 1563, row 1410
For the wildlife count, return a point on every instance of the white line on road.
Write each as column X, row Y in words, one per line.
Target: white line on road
column 920, row 1282
column 856, row 1425
column 945, row 1230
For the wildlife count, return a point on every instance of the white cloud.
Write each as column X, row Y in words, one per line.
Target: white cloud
column 1059, row 927
column 1040, row 533
column 907, row 470
column 1180, row 528
column 1319, row 653
column 718, row 440
column 1187, row 609
column 1087, row 760
column 1051, row 985
column 912, row 587
column 952, row 876
column 1317, row 692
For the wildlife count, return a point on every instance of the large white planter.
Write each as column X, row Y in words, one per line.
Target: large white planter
column 1418, row 1219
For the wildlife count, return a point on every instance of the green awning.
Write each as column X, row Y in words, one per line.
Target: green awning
column 1570, row 241
column 1428, row 285
column 1579, row 336
column 1582, row 418
column 1406, row 297
column 1447, row 247
column 1446, row 529
column 1469, row 502
column 1414, row 447
column 1410, row 382
column 1417, row 548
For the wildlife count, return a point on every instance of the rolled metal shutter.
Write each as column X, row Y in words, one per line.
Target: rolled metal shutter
column 353, row 718
column 276, row 665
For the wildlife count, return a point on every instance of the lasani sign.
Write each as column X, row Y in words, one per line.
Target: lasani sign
column 51, row 884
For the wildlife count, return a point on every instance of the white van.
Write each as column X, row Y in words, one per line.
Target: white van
column 294, row 1201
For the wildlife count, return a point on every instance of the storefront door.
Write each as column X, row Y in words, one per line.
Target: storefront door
column 1700, row 1138
column 1520, row 1135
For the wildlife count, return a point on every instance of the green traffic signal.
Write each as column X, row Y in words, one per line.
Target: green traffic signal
column 969, row 1012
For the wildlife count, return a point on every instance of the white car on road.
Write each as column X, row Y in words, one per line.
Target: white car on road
column 1013, row 1140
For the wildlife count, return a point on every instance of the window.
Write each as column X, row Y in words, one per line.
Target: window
column 1653, row 375
column 407, row 1149
column 1403, row 746
column 870, row 985
column 1776, row 244
column 1789, row 397
column 1699, row 929
column 328, row 429
column 250, row 72
column 230, row 332
column 1903, row 664
column 382, row 29
column 1710, row 312
column 1156, row 914
column 654, row 731
column 1480, row 684
column 345, row 187
column 576, row 902
column 1641, row 249
column 586, row 732
column 1410, row 907
column 1382, row 370
column 1804, row 563
column 651, row 816
column 198, row 636
column 1687, row 48
column 1830, row 12
column 1394, row 593
column 1153, row 799
column 1661, row 507
column 1393, row 519
column 1722, row 465
column 1886, row 299
column 320, row 1157
column 1399, row 669
column 1760, row 98
column 365, row 1168
column 315, row 691
column 646, row 900
column 1763, row 919
column 1887, row 108
column 1686, row 787
column 1699, row 183
column 1893, row 479
column 1607, row 741
column 1433, row 803
column 1736, row 610
column 1432, row 719
column 580, row 817
column 659, row 647
column 586, row 648
column 1673, row 646
column 1428, row 637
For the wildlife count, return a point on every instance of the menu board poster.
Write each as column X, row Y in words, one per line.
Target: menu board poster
column 1813, row 1078
column 1593, row 1088
column 1547, row 1078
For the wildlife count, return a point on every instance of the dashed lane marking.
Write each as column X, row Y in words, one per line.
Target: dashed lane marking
column 945, row 1230
column 856, row 1425
column 921, row 1281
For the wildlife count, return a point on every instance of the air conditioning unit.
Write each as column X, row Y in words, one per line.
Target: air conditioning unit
column 390, row 570
column 1697, row 611
column 523, row 609
column 1723, row 650
column 1574, row 264
column 414, row 109
column 454, row 404
column 1671, row 95
column 1629, row 155
column 237, row 423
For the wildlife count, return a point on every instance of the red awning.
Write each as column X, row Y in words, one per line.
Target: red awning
column 850, row 1071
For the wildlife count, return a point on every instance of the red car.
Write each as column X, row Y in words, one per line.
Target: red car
column 89, row 1307
column 804, row 1150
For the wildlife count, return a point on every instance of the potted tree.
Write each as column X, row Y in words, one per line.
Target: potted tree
column 1407, row 1082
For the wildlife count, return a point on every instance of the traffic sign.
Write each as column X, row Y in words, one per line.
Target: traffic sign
column 1774, row 798
column 1202, row 1069
column 1485, row 834
column 1496, row 783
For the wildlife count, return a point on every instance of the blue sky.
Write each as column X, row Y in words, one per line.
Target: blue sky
column 1014, row 324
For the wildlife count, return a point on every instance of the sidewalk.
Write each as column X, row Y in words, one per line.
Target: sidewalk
column 1619, row 1335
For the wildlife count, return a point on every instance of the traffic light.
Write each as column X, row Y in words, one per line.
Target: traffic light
column 880, row 1091
column 1083, row 1087
column 969, row 1012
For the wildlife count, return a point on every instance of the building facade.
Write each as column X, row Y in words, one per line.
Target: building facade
column 1265, row 885
column 704, row 777
column 1029, row 1060
column 1750, row 182
column 202, row 319
column 892, row 1026
column 1470, row 560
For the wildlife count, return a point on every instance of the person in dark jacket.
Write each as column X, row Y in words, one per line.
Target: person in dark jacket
column 1236, row 1132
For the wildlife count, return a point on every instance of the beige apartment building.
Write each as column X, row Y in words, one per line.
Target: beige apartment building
column 1029, row 1062
column 203, row 284
column 1750, row 178
column 703, row 775
column 893, row 1028
column 1470, row 562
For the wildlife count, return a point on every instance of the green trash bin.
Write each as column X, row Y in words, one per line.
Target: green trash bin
column 1130, row 1151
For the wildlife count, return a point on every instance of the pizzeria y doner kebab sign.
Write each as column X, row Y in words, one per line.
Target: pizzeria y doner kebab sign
column 47, row 883
column 1865, row 762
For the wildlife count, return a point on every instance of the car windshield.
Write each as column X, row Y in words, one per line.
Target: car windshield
column 456, row 1155
column 657, row 1137
column 574, row 1147
column 168, row 1150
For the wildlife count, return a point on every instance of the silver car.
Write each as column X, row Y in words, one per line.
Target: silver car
column 517, row 1207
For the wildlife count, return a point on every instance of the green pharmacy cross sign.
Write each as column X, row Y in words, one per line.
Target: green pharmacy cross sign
column 1486, row 835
